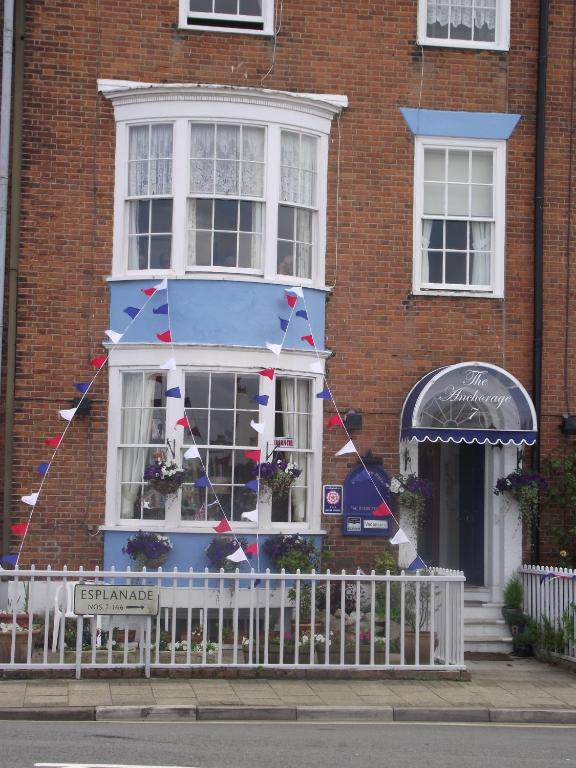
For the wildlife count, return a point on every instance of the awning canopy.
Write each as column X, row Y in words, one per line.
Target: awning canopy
column 471, row 402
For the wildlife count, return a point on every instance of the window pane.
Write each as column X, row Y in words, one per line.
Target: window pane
column 160, row 248
column 479, row 269
column 285, row 222
column 203, row 243
column 226, row 215
column 226, row 177
column 198, row 421
column 481, row 201
column 202, row 176
column 245, row 435
column 161, row 216
column 251, row 7
column 303, row 266
column 433, row 198
column 434, row 266
column 193, row 503
column 220, row 467
column 458, row 165
column 247, row 387
column 225, row 6
column 138, row 252
column 138, row 178
column 228, row 141
column 222, row 393
column 201, row 140
column 244, row 501
column 252, row 180
column 285, row 258
column 224, row 249
column 458, row 200
column 434, row 166
column 437, row 235
column 203, row 213
column 455, row 267
column 196, row 390
column 253, row 143
column 201, row 6
column 244, row 469
column 456, row 234
column 482, row 167
column 248, row 251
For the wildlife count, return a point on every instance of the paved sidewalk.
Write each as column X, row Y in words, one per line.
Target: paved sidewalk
column 526, row 685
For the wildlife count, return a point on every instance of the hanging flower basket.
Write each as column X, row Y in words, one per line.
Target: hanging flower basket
column 277, row 477
column 148, row 549
column 164, row 476
column 411, row 492
column 525, row 488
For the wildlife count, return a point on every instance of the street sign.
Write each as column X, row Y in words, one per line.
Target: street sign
column 116, row 600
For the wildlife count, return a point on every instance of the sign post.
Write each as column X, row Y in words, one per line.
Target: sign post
column 116, row 600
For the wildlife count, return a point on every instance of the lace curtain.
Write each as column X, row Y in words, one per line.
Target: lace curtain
column 298, row 169
column 295, row 397
column 150, row 160
column 466, row 13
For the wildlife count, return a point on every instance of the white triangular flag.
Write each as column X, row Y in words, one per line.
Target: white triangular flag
column 252, row 516
column 192, row 453
column 114, row 336
column 162, row 286
column 399, row 537
column 297, row 291
column 237, row 557
column 276, row 348
column 258, row 426
column 348, row 448
column 169, row 365
column 31, row 499
column 316, row 367
column 68, row 414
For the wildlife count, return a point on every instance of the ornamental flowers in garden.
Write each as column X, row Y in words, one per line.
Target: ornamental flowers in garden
column 164, row 476
column 525, row 488
column 277, row 476
column 148, row 549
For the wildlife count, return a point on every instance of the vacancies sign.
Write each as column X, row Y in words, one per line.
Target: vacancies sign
column 112, row 600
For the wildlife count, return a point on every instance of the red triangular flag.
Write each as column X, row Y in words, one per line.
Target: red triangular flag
column 19, row 528
column 268, row 372
column 166, row 336
column 223, row 526
column 334, row 421
column 309, row 339
column 383, row 510
column 252, row 549
column 291, row 299
column 148, row 291
column 254, row 455
column 98, row 362
column 183, row 422
column 53, row 441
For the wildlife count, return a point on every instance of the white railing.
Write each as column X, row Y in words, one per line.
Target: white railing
column 550, row 599
column 318, row 620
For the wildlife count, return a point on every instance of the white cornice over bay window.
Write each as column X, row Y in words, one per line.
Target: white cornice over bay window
column 220, row 179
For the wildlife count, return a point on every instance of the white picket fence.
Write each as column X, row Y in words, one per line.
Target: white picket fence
column 550, row 599
column 300, row 621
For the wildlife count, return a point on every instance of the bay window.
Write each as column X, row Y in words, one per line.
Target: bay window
column 219, row 405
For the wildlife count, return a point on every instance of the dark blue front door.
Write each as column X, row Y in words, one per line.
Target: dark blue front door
column 471, row 513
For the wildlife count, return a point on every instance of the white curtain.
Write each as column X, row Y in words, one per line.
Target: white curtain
column 295, row 396
column 150, row 160
column 462, row 12
column 298, row 168
column 481, row 243
column 138, row 391
column 161, row 160
column 426, row 232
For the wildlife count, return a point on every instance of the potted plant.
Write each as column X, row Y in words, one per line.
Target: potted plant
column 20, row 633
column 164, row 475
column 220, row 547
column 525, row 488
column 148, row 549
column 417, row 615
column 411, row 493
column 277, row 477
column 515, row 617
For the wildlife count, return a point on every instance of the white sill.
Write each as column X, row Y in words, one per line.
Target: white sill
column 132, row 526
column 232, row 276
column 457, row 293
column 463, row 44
column 225, row 30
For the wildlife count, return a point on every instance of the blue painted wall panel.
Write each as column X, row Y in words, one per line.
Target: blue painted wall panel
column 226, row 312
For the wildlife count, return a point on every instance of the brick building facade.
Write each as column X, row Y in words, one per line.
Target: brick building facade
column 203, row 147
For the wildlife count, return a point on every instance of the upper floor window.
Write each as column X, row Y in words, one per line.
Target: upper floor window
column 208, row 184
column 249, row 16
column 464, row 23
column 459, row 216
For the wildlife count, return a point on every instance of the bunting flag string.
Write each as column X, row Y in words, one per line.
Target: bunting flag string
column 132, row 311
column 348, row 448
column 223, row 526
column 267, row 372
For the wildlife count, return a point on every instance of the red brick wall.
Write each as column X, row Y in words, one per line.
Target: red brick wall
column 383, row 338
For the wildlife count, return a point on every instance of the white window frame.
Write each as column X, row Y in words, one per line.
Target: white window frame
column 141, row 103
column 497, row 266
column 194, row 21
column 201, row 359
column 502, row 36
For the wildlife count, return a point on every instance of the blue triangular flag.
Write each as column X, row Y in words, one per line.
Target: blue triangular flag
column 173, row 392
column 132, row 311
column 11, row 559
column 417, row 564
column 161, row 310
column 283, row 324
column 202, row 482
column 544, row 577
column 302, row 313
column 262, row 399
column 42, row 468
column 82, row 387
column 252, row 485
column 324, row 395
